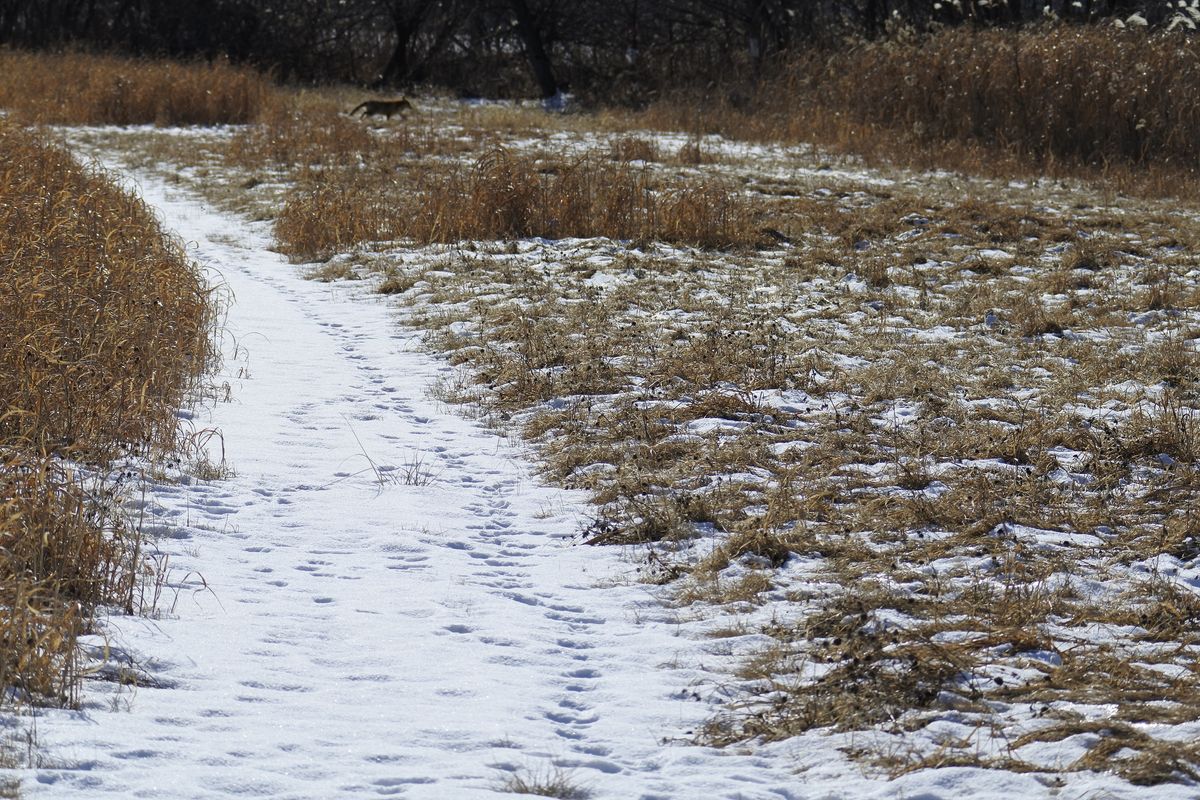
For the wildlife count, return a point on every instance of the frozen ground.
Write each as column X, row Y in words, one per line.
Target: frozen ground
column 382, row 602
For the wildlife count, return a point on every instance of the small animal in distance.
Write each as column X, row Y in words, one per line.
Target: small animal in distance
column 386, row 108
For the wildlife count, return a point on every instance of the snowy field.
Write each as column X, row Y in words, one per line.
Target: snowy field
column 381, row 600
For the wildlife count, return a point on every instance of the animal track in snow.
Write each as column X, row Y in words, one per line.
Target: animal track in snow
column 353, row 636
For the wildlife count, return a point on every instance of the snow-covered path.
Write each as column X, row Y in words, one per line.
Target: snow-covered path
column 340, row 636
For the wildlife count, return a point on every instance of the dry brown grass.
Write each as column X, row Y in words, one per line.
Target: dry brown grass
column 552, row 781
column 1061, row 100
column 103, row 333
column 304, row 132
column 504, row 195
column 332, row 182
column 102, row 325
column 1077, row 94
column 81, row 89
column 38, row 657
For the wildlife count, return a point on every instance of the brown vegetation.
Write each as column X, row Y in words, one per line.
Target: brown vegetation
column 504, row 195
column 1094, row 101
column 103, row 332
column 79, row 89
column 352, row 184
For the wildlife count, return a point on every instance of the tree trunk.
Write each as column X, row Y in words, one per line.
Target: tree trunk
column 538, row 60
column 397, row 68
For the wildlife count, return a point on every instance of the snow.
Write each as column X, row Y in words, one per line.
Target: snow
column 382, row 601
column 332, row 631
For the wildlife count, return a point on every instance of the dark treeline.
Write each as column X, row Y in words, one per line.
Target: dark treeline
column 623, row 51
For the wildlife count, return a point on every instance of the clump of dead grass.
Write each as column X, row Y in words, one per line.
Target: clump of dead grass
column 634, row 148
column 325, row 219
column 103, row 324
column 551, row 782
column 302, row 132
column 505, row 195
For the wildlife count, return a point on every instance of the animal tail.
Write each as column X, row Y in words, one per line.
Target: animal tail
column 356, row 108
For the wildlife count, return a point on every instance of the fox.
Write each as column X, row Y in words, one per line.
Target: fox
column 386, row 108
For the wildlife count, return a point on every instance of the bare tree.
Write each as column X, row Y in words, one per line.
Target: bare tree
column 421, row 28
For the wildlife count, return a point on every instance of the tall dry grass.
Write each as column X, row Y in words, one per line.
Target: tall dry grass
column 1059, row 100
column 80, row 89
column 1086, row 95
column 103, row 331
column 101, row 321
column 302, row 132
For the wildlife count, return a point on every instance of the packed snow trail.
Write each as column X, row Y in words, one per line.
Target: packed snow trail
column 337, row 632
column 332, row 628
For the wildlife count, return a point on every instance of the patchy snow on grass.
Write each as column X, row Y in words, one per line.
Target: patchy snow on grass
column 906, row 507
